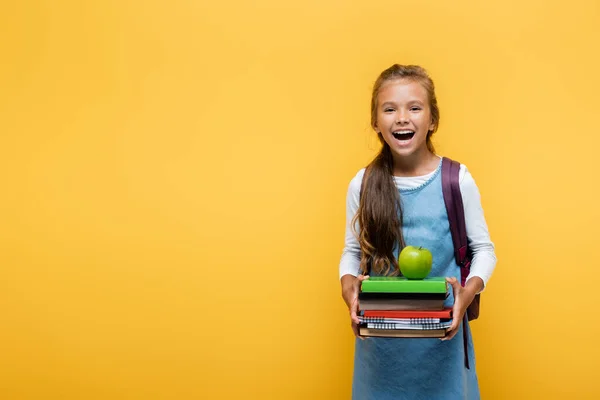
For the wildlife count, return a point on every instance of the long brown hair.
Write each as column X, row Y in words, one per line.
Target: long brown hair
column 379, row 214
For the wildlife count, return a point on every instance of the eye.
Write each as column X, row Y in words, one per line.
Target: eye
column 415, row 108
column 388, row 109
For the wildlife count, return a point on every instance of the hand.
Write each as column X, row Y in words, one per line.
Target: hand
column 462, row 298
column 350, row 295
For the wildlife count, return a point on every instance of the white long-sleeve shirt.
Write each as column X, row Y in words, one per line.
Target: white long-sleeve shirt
column 483, row 256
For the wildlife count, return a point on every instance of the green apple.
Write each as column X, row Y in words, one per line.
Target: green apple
column 415, row 262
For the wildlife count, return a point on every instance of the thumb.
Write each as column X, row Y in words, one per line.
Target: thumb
column 360, row 279
column 453, row 282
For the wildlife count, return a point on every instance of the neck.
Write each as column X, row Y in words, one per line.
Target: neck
column 417, row 164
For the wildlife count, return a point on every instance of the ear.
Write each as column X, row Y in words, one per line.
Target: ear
column 431, row 126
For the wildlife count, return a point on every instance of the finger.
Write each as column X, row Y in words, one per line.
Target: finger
column 354, row 310
column 454, row 325
column 450, row 333
column 359, row 281
column 356, row 331
column 454, row 283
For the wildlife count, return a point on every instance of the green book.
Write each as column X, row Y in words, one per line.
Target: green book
column 398, row 284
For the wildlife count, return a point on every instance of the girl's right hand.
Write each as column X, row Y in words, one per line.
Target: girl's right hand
column 350, row 294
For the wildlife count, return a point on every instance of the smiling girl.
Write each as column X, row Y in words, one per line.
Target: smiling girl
column 396, row 201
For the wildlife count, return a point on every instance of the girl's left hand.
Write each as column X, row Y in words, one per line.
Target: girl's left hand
column 462, row 298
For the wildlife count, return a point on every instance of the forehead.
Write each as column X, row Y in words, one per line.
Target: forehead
column 402, row 90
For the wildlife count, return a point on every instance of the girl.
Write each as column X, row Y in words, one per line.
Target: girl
column 397, row 201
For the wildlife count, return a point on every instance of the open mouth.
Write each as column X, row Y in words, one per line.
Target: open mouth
column 403, row 135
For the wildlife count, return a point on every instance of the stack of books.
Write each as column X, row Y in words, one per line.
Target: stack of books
column 399, row 307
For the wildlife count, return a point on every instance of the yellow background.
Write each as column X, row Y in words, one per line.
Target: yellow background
column 173, row 179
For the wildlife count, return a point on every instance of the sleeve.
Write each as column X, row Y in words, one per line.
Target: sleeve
column 484, row 259
column 350, row 261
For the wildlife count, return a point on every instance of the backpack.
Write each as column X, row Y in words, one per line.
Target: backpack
column 456, row 218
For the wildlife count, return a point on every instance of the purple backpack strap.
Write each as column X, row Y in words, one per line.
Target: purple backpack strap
column 456, row 215
column 456, row 219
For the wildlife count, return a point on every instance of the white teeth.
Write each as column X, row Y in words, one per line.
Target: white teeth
column 403, row 132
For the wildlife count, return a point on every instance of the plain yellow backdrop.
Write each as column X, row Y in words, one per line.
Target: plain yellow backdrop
column 173, row 180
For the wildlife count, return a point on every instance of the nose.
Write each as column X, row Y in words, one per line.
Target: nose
column 402, row 117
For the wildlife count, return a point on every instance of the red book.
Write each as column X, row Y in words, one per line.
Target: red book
column 445, row 313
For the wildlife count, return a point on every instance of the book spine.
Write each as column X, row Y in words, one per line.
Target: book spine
column 401, row 320
column 447, row 313
column 403, row 287
column 377, row 325
column 422, row 305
